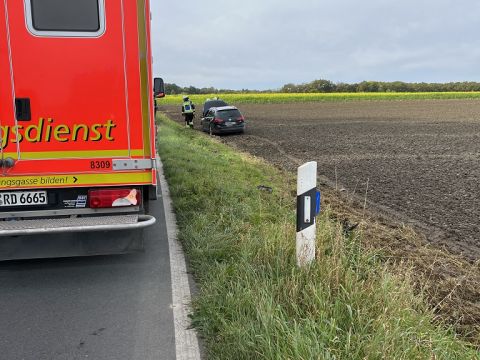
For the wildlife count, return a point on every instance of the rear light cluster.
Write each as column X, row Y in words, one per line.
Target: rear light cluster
column 218, row 121
column 240, row 119
column 110, row 198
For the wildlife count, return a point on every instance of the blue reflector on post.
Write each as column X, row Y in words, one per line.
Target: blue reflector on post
column 317, row 211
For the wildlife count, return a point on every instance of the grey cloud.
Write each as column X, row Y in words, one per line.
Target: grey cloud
column 265, row 44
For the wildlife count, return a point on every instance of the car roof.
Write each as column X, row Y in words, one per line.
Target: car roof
column 217, row 102
column 221, row 108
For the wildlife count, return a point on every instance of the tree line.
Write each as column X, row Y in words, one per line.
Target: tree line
column 174, row 89
column 327, row 86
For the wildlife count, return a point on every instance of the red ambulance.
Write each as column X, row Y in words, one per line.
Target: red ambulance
column 77, row 128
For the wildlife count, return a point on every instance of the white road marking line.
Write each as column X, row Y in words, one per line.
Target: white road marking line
column 186, row 340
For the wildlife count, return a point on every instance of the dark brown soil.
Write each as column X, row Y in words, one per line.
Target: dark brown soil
column 415, row 162
column 417, row 159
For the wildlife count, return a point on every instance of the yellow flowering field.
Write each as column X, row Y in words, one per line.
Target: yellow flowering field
column 265, row 98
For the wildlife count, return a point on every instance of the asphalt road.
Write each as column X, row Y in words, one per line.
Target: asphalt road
column 109, row 307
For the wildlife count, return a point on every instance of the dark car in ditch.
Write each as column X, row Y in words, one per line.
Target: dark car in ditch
column 223, row 119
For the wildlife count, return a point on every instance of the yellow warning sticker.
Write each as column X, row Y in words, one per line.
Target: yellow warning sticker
column 22, row 182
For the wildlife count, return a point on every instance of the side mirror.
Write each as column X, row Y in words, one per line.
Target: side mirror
column 158, row 88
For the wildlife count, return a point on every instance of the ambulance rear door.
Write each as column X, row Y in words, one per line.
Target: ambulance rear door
column 67, row 107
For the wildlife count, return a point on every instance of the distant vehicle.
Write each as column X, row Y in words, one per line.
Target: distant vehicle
column 223, row 119
column 215, row 102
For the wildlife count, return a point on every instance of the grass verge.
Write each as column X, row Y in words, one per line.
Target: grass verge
column 277, row 98
column 253, row 302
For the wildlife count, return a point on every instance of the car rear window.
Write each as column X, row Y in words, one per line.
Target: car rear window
column 215, row 103
column 228, row 114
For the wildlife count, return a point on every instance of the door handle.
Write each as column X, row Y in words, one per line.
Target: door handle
column 22, row 109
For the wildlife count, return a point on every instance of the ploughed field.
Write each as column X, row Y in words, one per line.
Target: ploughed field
column 416, row 160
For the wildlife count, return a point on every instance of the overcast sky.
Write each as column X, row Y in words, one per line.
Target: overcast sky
column 264, row 44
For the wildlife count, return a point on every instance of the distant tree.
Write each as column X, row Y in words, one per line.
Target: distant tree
column 344, row 87
column 368, row 86
column 172, row 89
column 288, row 88
column 322, row 86
column 208, row 90
column 398, row 86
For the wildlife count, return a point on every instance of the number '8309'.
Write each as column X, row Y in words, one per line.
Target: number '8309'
column 100, row 164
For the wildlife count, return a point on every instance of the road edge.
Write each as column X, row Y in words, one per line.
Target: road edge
column 186, row 338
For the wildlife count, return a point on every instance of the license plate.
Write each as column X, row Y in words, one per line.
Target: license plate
column 23, row 198
column 230, row 123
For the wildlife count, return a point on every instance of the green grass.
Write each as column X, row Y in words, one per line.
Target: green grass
column 253, row 302
column 275, row 98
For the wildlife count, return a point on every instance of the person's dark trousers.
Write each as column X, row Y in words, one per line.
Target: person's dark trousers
column 188, row 118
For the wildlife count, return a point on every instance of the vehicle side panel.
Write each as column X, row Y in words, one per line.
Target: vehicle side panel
column 94, row 85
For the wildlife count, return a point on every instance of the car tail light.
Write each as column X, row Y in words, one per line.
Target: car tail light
column 240, row 119
column 109, row 198
column 218, row 121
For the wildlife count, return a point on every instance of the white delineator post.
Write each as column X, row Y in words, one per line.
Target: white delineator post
column 306, row 212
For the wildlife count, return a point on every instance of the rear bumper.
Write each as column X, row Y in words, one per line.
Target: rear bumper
column 75, row 225
column 227, row 130
column 56, row 238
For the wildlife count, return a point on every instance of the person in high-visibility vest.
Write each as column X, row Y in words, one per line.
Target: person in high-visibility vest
column 188, row 111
